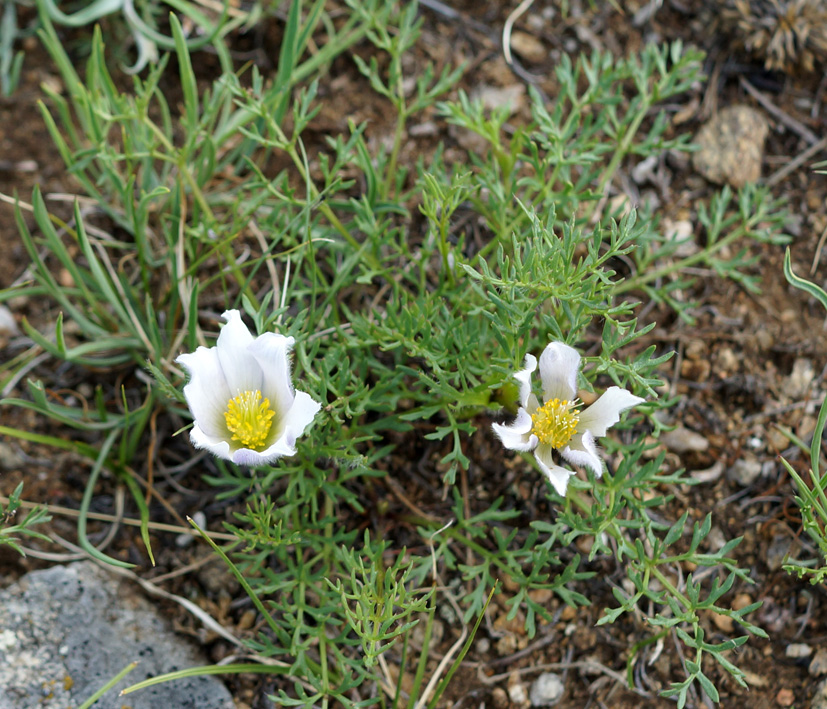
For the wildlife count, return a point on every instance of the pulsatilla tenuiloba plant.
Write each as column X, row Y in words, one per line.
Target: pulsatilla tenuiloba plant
column 358, row 526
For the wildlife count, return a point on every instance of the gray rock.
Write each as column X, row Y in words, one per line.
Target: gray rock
column 820, row 698
column 682, row 440
column 796, row 651
column 68, row 630
column 546, row 690
column 818, row 665
column 731, row 146
column 745, row 471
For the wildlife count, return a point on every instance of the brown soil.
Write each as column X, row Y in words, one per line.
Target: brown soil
column 734, row 369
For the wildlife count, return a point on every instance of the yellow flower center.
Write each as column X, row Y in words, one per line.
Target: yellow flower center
column 555, row 422
column 249, row 419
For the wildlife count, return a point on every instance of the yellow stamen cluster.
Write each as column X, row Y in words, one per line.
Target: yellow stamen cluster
column 555, row 422
column 249, row 419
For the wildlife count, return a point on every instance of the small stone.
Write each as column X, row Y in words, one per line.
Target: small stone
column 182, row 541
column 541, row 596
column 437, row 633
column 546, row 690
column 682, row 440
column 742, row 600
column 644, row 171
column 785, row 697
column 777, row 440
column 731, row 146
column 797, row 385
column 506, row 645
column 724, row 623
column 728, row 362
column 795, row 651
column 528, row 46
column 780, row 551
column 9, row 459
column 217, row 579
column 820, row 698
column 516, row 689
column 499, row 698
column 818, row 665
column 568, row 613
column 680, row 233
column 744, row 471
column 755, row 680
column 494, row 97
column 696, row 350
column 710, row 474
column 765, row 339
column 8, row 325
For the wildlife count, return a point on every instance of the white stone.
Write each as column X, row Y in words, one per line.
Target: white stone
column 798, row 650
column 546, row 690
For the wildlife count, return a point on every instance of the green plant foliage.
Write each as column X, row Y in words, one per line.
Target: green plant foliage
column 408, row 329
column 10, row 533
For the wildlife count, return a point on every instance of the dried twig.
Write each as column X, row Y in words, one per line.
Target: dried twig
column 796, row 162
column 794, row 125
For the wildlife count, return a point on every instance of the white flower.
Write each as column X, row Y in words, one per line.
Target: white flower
column 559, row 424
column 241, row 398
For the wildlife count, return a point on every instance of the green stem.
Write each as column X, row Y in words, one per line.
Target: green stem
column 703, row 255
column 325, row 209
column 401, row 120
column 623, row 148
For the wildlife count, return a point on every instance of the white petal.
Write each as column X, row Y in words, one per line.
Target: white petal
column 301, row 414
column 605, row 412
column 241, row 369
column 557, row 476
column 582, row 451
column 271, row 354
column 559, row 365
column 517, row 436
column 524, row 378
column 207, row 392
column 218, row 447
column 284, row 446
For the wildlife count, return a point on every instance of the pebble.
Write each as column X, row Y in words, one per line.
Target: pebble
column 528, row 46
column 731, row 146
column 499, row 698
column 516, row 689
column 182, row 541
column 680, row 232
column 797, row 385
column 546, row 690
column 710, row 474
column 785, row 697
column 724, row 623
column 437, row 633
column 818, row 665
column 644, row 171
column 796, row 651
column 820, row 698
column 682, row 440
column 744, row 471
column 496, row 97
column 8, row 325
column 780, row 551
column 9, row 459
